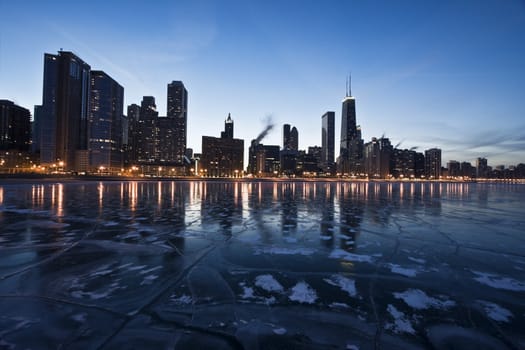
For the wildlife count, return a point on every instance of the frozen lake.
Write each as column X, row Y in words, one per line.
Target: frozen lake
column 261, row 265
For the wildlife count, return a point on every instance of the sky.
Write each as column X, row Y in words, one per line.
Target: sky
column 446, row 74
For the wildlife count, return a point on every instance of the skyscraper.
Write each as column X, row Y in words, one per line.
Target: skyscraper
column 286, row 136
column 177, row 113
column 224, row 156
column 328, row 142
column 377, row 156
column 133, row 133
column 15, row 127
column 147, row 131
column 294, row 139
column 351, row 150
column 105, row 123
column 482, row 169
column 65, row 109
column 433, row 163
column 228, row 128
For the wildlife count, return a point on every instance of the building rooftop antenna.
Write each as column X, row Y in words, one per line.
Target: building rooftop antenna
column 350, row 84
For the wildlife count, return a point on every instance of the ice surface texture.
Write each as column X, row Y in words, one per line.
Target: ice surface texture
column 257, row 265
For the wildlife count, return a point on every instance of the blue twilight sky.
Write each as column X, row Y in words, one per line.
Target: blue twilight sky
column 447, row 74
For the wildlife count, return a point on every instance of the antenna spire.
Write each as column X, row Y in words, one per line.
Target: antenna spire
column 350, row 84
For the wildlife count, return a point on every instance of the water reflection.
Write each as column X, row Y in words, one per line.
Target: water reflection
column 336, row 210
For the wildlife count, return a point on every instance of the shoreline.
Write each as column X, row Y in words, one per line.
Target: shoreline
column 38, row 178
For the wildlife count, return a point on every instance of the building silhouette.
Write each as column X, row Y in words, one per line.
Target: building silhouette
column 433, row 163
column 228, row 128
column 147, row 132
column 131, row 155
column 105, row 123
column 377, row 156
column 63, row 117
column 328, row 142
column 290, row 138
column 224, row 156
column 482, row 169
column 175, row 137
column 351, row 148
column 263, row 160
column 286, row 136
column 15, row 127
column 454, row 168
column 294, row 139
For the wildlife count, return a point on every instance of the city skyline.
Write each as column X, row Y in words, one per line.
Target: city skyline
column 445, row 75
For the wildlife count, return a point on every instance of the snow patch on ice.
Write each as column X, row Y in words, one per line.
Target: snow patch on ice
column 148, row 280
column 284, row 251
column 325, row 237
column 268, row 283
column 248, row 292
column 342, row 254
column 495, row 312
column 338, row 306
column 279, row 331
column 401, row 323
column 182, row 300
column 417, row 260
column 394, row 268
column 499, row 282
column 346, row 284
column 303, row 293
column 418, row 299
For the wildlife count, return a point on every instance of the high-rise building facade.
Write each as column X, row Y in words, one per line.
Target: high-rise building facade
column 351, row 149
column 65, row 109
column 377, row 155
column 228, row 128
column 286, row 136
column 328, row 142
column 105, row 123
column 177, row 114
column 224, row 156
column 294, row 139
column 433, row 163
column 482, row 169
column 147, row 132
column 15, row 127
column 133, row 134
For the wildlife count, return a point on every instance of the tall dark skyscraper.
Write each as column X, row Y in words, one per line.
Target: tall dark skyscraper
column 15, row 127
column 177, row 113
column 228, row 128
column 482, row 169
column 105, row 123
column 147, row 131
column 328, row 142
column 286, row 136
column 133, row 134
column 351, row 150
column 294, row 139
column 65, row 108
column 433, row 163
column 290, row 138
